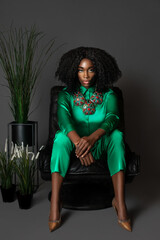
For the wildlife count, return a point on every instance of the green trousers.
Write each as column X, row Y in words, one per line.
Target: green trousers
column 113, row 144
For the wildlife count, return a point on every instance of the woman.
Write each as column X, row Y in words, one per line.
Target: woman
column 88, row 118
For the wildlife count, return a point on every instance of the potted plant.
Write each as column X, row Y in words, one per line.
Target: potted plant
column 22, row 61
column 25, row 165
column 6, row 176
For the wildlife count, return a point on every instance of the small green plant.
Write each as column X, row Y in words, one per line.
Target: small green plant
column 22, row 61
column 6, row 169
column 25, row 167
column 25, row 170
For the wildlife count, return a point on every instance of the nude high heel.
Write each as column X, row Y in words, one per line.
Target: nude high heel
column 54, row 224
column 126, row 223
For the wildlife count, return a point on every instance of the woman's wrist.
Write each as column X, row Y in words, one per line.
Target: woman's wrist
column 98, row 134
column 76, row 143
column 94, row 136
column 74, row 137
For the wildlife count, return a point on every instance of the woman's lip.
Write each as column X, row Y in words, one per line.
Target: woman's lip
column 86, row 81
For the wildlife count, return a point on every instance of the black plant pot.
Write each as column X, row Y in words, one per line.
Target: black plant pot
column 8, row 195
column 25, row 201
column 23, row 132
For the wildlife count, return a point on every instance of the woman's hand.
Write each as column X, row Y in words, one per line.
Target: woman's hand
column 87, row 160
column 84, row 145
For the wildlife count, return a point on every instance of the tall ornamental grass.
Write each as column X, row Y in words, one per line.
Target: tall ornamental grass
column 22, row 60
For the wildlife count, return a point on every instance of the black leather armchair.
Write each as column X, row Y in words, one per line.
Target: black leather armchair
column 85, row 187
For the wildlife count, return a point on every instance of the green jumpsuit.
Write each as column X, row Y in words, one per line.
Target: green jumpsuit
column 71, row 117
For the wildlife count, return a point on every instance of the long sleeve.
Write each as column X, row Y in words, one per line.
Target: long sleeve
column 112, row 113
column 65, row 120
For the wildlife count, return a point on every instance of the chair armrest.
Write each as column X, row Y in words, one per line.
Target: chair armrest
column 132, row 162
column 44, row 159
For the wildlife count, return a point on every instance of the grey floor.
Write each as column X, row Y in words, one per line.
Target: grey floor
column 142, row 198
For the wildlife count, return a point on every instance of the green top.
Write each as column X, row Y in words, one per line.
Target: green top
column 71, row 117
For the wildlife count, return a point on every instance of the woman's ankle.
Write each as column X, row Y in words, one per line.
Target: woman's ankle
column 54, row 212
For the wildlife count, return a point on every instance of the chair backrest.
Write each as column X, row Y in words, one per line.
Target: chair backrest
column 53, row 123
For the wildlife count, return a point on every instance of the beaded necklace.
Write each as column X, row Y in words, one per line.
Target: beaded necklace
column 88, row 106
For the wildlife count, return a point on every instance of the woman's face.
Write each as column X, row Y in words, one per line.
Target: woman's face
column 86, row 73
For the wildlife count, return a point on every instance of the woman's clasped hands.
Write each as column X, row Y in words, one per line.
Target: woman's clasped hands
column 83, row 150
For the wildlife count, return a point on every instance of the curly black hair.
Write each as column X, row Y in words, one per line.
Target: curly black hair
column 106, row 69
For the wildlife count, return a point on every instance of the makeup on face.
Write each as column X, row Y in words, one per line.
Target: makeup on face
column 86, row 73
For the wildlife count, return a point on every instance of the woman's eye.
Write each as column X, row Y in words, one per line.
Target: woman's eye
column 89, row 70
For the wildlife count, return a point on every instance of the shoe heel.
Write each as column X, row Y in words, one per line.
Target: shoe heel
column 54, row 224
column 126, row 224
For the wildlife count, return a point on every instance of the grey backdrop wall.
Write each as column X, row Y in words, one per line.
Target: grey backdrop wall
column 129, row 30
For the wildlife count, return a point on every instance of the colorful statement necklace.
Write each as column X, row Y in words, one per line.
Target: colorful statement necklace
column 88, row 106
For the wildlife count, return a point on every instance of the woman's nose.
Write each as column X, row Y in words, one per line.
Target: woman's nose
column 85, row 74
